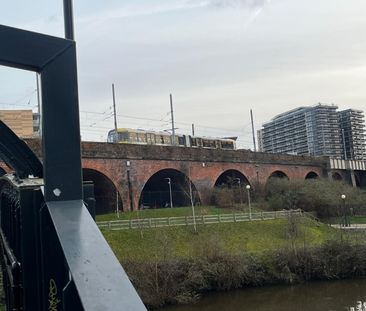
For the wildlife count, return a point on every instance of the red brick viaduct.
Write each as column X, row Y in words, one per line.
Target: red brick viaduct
column 120, row 172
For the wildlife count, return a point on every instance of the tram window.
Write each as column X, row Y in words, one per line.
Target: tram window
column 133, row 137
column 123, row 137
column 193, row 142
column 160, row 140
column 180, row 140
column 167, row 140
column 208, row 143
column 150, row 138
column 111, row 137
column 227, row 145
column 141, row 137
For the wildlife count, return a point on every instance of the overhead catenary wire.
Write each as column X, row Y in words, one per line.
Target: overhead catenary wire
column 159, row 120
column 96, row 125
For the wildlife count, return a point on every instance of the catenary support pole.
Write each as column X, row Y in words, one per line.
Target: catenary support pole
column 69, row 20
column 172, row 115
column 251, row 119
column 115, row 113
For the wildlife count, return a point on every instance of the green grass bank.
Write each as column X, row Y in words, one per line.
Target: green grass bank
column 234, row 238
column 176, row 265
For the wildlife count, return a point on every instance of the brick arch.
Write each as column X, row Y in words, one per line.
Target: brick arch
column 102, row 170
column 116, row 171
column 278, row 174
column 234, row 174
column 155, row 194
column 337, row 176
column 150, row 173
column 312, row 175
column 105, row 191
column 142, row 171
column 205, row 174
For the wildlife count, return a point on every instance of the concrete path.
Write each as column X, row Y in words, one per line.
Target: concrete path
column 352, row 227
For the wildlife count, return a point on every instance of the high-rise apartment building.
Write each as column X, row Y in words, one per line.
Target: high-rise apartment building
column 23, row 122
column 352, row 124
column 323, row 132
column 286, row 133
column 305, row 130
column 260, row 140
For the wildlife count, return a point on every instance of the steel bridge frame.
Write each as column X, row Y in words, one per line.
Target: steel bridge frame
column 52, row 250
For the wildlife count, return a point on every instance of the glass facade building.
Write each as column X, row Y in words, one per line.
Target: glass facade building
column 319, row 130
column 352, row 123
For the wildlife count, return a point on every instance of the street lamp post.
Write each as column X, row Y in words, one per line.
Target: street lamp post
column 344, row 219
column 240, row 194
column 170, row 191
column 249, row 204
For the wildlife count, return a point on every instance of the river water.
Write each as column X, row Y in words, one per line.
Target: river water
column 315, row 296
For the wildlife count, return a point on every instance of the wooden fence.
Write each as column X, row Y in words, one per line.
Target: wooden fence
column 142, row 223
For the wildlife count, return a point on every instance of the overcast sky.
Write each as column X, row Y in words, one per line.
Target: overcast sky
column 218, row 58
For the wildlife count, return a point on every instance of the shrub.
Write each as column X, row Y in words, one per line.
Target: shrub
column 320, row 196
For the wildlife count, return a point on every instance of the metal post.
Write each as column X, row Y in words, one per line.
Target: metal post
column 130, row 194
column 251, row 118
column 249, row 203
column 240, row 194
column 170, row 191
column 192, row 202
column 69, row 20
column 172, row 115
column 343, row 216
column 117, row 210
column 192, row 129
column 114, row 113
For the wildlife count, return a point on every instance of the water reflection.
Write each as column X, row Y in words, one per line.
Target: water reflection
column 316, row 296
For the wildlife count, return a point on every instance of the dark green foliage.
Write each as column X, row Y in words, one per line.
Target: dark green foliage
column 320, row 196
column 226, row 197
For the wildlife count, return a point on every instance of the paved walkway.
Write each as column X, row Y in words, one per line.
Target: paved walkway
column 352, row 227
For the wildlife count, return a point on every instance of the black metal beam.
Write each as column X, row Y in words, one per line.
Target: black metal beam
column 100, row 280
column 29, row 50
column 55, row 60
column 17, row 155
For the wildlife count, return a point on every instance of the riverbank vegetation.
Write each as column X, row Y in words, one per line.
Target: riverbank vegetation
column 176, row 265
column 175, row 280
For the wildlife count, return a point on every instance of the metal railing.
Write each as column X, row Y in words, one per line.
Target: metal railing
column 146, row 223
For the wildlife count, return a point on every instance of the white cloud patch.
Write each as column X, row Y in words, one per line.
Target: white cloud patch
column 251, row 4
column 239, row 3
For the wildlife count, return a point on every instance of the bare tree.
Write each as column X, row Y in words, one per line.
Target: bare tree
column 187, row 189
